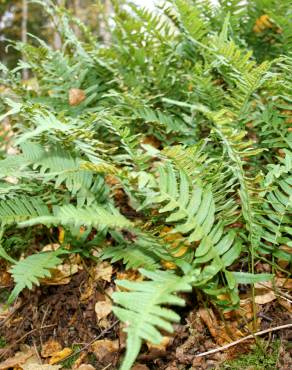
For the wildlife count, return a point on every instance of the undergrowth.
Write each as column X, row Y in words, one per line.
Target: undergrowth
column 256, row 359
column 168, row 151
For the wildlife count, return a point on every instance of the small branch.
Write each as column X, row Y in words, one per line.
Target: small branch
column 251, row 336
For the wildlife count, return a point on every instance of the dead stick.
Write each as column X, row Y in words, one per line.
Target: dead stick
column 24, row 336
column 251, row 336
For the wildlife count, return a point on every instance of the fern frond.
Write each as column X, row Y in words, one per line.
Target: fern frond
column 191, row 21
column 191, row 208
column 29, row 271
column 21, row 209
column 141, row 308
column 277, row 209
column 132, row 257
column 90, row 216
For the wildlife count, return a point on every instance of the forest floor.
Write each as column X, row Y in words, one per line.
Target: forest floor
column 67, row 323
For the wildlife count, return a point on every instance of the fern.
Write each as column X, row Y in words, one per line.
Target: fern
column 132, row 258
column 21, row 209
column 192, row 210
column 29, row 271
column 179, row 157
column 93, row 216
column 141, row 308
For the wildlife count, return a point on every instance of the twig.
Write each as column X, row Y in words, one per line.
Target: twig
column 90, row 343
column 24, row 336
column 251, row 336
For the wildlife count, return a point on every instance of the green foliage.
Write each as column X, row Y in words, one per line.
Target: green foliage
column 29, row 271
column 141, row 308
column 178, row 155
column 256, row 358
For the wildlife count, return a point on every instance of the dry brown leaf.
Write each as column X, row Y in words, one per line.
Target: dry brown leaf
column 222, row 332
column 132, row 275
column 87, row 292
column 151, row 140
column 105, row 348
column 86, row 367
column 140, row 367
column 103, row 309
column 161, row 346
column 266, row 297
column 79, row 361
column 19, row 359
column 36, row 366
column 286, row 304
column 61, row 275
column 5, row 278
column 103, row 271
column 51, row 247
column 50, row 347
column 60, row 355
column 283, row 283
column 76, row 96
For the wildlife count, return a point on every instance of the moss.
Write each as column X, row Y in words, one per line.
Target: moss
column 256, row 359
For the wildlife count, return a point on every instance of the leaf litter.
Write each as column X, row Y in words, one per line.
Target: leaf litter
column 60, row 315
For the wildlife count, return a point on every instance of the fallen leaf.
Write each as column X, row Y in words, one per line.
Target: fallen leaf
column 19, row 359
column 51, row 247
column 132, row 275
column 286, row 304
column 76, row 96
column 61, row 275
column 86, row 367
column 140, row 367
column 103, row 271
column 264, row 298
column 151, row 140
column 105, row 349
column 60, row 355
column 50, row 347
column 79, row 361
column 37, row 366
column 222, row 332
column 87, row 292
column 161, row 346
column 103, row 309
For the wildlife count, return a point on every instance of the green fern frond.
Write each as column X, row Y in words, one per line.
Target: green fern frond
column 141, row 308
column 168, row 122
column 277, row 210
column 90, row 216
column 29, row 271
column 191, row 20
column 191, row 208
column 21, row 209
column 132, row 257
